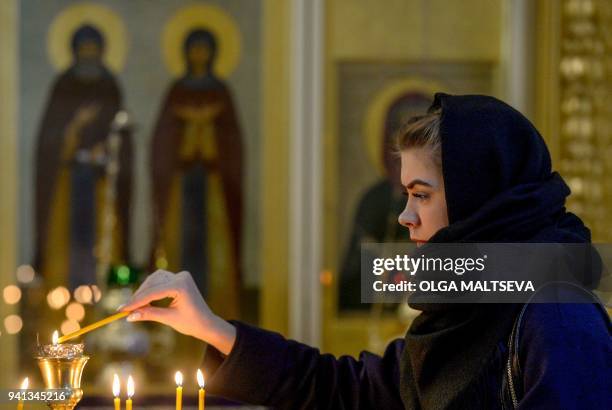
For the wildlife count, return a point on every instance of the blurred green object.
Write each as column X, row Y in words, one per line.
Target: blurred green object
column 123, row 275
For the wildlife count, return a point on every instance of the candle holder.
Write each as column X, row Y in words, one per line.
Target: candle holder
column 62, row 366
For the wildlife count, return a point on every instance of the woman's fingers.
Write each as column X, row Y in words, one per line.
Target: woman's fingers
column 188, row 313
column 161, row 315
column 149, row 295
column 158, row 277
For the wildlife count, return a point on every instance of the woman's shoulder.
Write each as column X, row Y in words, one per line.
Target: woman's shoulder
column 565, row 329
column 565, row 352
column 575, row 308
column 542, row 318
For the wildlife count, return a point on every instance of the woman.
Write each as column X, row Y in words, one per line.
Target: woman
column 474, row 169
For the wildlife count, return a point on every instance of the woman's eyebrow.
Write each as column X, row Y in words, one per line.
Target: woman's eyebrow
column 414, row 182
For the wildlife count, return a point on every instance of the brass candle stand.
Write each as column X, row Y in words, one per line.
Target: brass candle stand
column 62, row 366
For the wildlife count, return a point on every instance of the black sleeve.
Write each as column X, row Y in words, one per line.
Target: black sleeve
column 264, row 368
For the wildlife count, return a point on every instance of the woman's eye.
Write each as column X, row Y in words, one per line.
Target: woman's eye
column 416, row 195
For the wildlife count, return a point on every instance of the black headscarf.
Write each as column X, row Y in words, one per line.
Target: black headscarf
column 499, row 188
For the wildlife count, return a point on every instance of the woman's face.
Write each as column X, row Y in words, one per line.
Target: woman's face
column 423, row 185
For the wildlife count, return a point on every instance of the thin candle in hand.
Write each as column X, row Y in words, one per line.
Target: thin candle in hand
column 93, row 326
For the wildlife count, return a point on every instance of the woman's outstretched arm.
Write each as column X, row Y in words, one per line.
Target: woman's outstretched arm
column 265, row 368
column 253, row 365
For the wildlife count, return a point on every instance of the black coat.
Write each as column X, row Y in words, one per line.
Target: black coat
column 565, row 352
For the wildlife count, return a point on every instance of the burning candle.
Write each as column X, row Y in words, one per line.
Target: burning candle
column 59, row 350
column 117, row 391
column 178, row 378
column 201, row 392
column 130, row 393
column 24, row 386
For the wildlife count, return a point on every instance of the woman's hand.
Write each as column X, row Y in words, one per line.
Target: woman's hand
column 188, row 313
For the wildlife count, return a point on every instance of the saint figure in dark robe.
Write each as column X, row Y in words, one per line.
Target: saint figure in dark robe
column 376, row 215
column 71, row 158
column 197, row 178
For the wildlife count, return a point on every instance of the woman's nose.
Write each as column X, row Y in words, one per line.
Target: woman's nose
column 408, row 218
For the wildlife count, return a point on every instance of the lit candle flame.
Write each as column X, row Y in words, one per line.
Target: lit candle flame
column 116, row 386
column 200, row 379
column 55, row 337
column 178, row 378
column 25, row 383
column 130, row 386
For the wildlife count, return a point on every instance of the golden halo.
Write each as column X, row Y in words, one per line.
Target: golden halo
column 71, row 18
column 208, row 17
column 373, row 125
